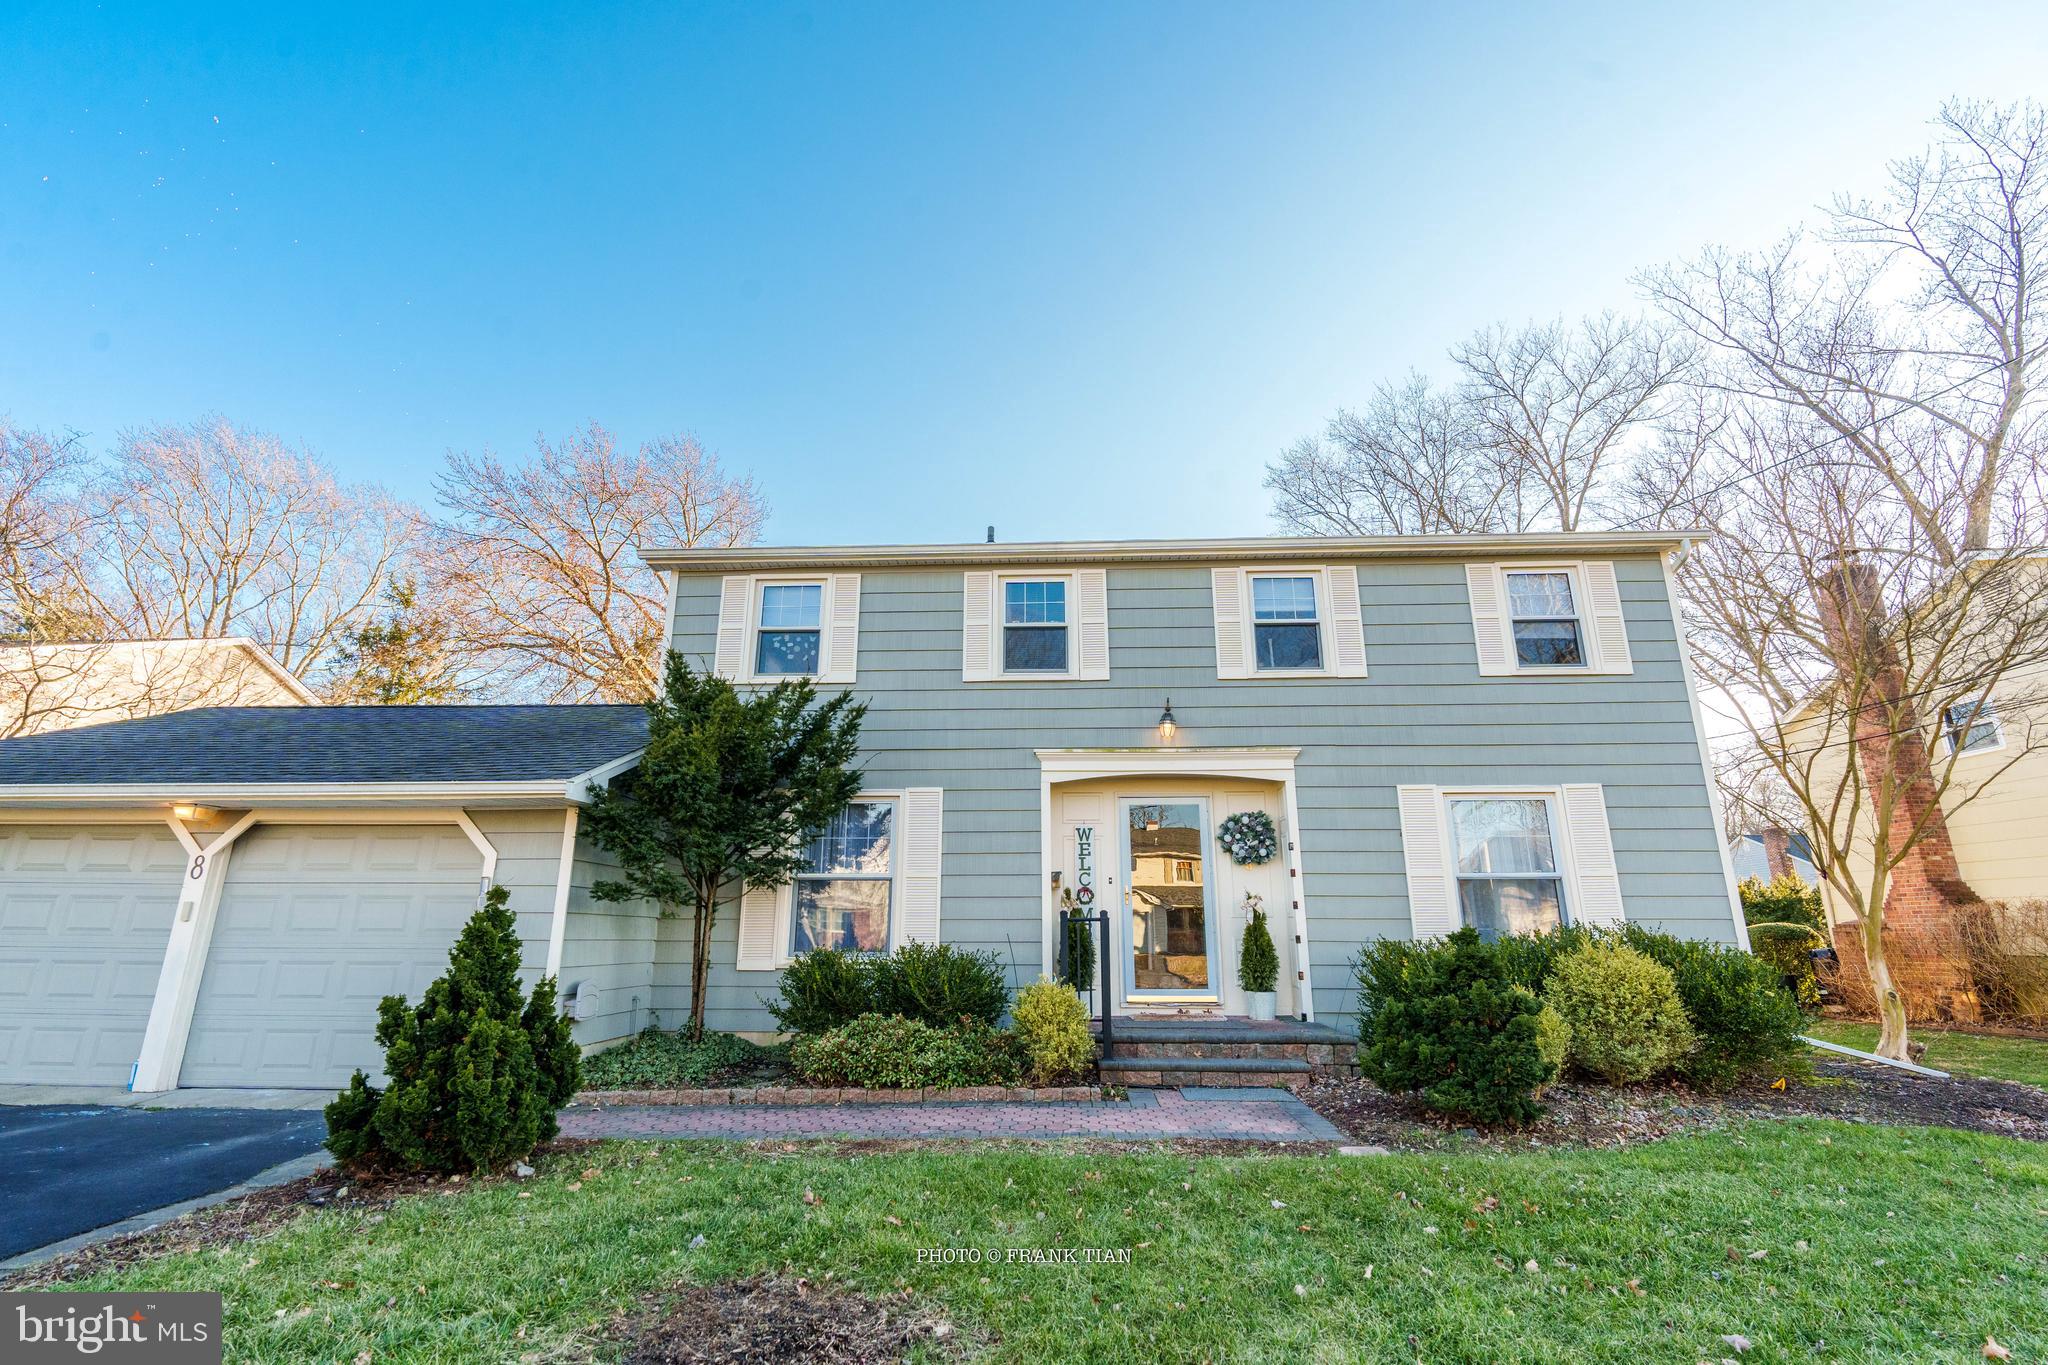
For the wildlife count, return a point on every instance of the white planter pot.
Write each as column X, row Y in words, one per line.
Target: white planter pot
column 1261, row 1003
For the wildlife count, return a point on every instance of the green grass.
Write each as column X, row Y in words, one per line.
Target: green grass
column 1885, row 1244
column 1965, row 1054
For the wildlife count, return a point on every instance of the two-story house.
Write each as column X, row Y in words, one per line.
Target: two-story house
column 1496, row 731
column 1442, row 730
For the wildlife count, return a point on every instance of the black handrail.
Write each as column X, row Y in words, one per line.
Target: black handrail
column 1099, row 919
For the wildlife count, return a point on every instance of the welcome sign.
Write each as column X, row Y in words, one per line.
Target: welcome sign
column 1084, row 867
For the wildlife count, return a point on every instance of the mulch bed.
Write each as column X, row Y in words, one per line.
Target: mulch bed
column 1579, row 1115
column 256, row 1214
column 771, row 1319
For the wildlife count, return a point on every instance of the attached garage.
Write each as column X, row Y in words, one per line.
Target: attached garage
column 85, row 912
column 221, row 897
column 317, row 923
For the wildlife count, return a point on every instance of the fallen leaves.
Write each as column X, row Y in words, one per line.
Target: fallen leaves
column 1993, row 1351
column 1735, row 1342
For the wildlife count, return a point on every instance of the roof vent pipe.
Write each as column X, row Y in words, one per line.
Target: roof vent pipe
column 991, row 535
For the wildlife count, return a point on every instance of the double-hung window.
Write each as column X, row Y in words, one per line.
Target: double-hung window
column 1544, row 618
column 1504, row 857
column 845, row 891
column 1034, row 625
column 786, row 638
column 1286, row 629
column 1971, row 727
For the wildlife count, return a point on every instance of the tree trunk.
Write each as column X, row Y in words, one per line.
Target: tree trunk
column 1925, row 893
column 700, row 957
column 1891, row 1007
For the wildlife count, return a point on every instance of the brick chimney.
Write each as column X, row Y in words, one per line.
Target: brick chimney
column 1777, row 853
column 1927, row 897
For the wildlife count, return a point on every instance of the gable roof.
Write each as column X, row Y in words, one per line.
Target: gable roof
column 1242, row 549
column 326, row 753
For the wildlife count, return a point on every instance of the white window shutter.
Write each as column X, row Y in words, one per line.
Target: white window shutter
column 735, row 605
column 924, row 831
column 1610, row 627
column 977, row 626
column 1091, row 588
column 1347, row 623
column 1226, row 593
column 1432, row 909
column 1594, row 875
column 1489, row 620
column 759, row 920
column 842, row 645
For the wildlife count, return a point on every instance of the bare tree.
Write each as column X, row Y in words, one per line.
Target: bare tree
column 211, row 530
column 1542, row 420
column 536, row 567
column 1408, row 463
column 1564, row 406
column 44, row 526
column 1882, row 436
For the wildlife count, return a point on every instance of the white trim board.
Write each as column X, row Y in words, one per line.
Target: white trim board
column 1273, row 763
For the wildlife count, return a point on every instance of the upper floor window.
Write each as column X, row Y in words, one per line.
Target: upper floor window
column 1286, row 630
column 845, row 890
column 1034, row 625
column 1972, row 727
column 786, row 641
column 1543, row 610
column 1549, row 619
column 1505, row 861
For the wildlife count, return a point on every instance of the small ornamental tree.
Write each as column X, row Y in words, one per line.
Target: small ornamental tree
column 1455, row 1028
column 1258, row 965
column 724, row 797
column 477, row 1069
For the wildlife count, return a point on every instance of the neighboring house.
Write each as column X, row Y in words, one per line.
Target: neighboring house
column 1995, row 807
column 56, row 686
column 1753, row 856
column 1494, row 730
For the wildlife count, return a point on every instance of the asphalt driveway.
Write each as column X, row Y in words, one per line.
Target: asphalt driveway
column 67, row 1169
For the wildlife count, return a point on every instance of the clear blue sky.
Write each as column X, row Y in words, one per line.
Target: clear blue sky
column 1071, row 269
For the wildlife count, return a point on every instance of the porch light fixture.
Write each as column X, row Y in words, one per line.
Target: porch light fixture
column 190, row 812
column 1168, row 726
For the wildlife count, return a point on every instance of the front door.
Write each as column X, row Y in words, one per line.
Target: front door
column 1169, row 932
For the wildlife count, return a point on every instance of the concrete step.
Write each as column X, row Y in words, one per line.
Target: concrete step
column 1262, row 1065
column 1226, row 1031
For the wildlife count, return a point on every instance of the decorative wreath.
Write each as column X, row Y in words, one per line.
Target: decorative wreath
column 1249, row 838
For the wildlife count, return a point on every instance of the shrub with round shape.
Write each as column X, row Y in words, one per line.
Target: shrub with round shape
column 1052, row 1026
column 1627, row 1022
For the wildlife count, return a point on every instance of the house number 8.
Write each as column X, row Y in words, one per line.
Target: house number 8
column 198, row 866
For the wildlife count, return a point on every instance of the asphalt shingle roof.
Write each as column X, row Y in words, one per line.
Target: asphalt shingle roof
column 331, row 744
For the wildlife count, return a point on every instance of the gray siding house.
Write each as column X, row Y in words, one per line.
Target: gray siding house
column 1498, row 731
column 1490, row 730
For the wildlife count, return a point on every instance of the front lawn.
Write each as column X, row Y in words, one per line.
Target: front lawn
column 1965, row 1054
column 1814, row 1240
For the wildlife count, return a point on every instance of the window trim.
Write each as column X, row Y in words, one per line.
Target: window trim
column 1560, row 841
column 999, row 627
column 758, row 590
column 1319, row 587
column 785, row 895
column 1589, row 644
column 1997, row 722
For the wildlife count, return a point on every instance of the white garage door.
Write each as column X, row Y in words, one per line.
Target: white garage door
column 317, row 924
column 85, row 912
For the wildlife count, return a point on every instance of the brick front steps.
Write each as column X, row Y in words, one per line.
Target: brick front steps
column 1240, row 1052
column 795, row 1095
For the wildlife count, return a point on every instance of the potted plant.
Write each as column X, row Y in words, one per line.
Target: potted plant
column 1258, row 965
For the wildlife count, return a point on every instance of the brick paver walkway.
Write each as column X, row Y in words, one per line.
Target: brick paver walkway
column 1261, row 1115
